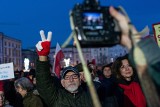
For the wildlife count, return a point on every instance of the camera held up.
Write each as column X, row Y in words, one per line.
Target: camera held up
column 94, row 25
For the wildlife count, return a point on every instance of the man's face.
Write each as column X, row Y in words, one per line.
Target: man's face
column 71, row 82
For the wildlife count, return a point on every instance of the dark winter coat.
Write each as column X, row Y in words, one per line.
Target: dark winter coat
column 56, row 96
column 32, row 100
column 107, row 92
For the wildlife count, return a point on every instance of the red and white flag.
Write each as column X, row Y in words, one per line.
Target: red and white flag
column 57, row 59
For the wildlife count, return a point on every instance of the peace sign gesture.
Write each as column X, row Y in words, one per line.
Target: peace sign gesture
column 43, row 46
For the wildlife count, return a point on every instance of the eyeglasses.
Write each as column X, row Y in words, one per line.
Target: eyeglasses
column 74, row 76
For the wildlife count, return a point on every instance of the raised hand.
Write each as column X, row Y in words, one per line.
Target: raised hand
column 43, row 47
column 124, row 26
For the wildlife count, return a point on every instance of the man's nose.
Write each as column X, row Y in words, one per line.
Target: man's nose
column 71, row 78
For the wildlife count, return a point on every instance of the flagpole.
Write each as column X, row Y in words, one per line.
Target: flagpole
column 90, row 84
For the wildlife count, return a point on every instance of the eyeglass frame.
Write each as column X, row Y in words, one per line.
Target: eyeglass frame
column 69, row 76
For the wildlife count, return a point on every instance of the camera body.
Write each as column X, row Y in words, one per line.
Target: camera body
column 94, row 25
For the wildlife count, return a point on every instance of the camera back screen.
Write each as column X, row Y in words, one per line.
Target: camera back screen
column 92, row 20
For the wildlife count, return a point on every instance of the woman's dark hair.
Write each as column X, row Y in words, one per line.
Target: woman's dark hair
column 117, row 65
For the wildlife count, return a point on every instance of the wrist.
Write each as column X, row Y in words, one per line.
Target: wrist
column 126, row 41
column 129, row 46
column 43, row 58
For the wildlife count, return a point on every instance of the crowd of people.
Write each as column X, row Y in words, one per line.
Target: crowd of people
column 119, row 87
column 117, row 84
column 20, row 91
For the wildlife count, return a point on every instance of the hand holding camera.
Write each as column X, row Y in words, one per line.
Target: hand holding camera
column 99, row 26
column 94, row 26
column 123, row 24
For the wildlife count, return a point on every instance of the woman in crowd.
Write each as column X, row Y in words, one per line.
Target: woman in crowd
column 24, row 87
column 128, row 84
column 11, row 96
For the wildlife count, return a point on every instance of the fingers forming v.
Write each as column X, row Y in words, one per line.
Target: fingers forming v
column 43, row 37
column 49, row 36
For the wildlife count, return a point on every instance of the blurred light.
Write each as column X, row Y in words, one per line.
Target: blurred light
column 67, row 62
column 26, row 64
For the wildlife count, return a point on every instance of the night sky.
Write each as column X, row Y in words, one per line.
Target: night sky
column 23, row 19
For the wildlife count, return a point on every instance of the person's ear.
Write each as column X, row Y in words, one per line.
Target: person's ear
column 62, row 82
column 80, row 76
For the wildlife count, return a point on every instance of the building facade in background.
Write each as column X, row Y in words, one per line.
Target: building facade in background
column 10, row 51
column 31, row 55
column 101, row 56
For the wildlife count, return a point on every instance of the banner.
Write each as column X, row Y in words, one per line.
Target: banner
column 156, row 30
column 6, row 71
